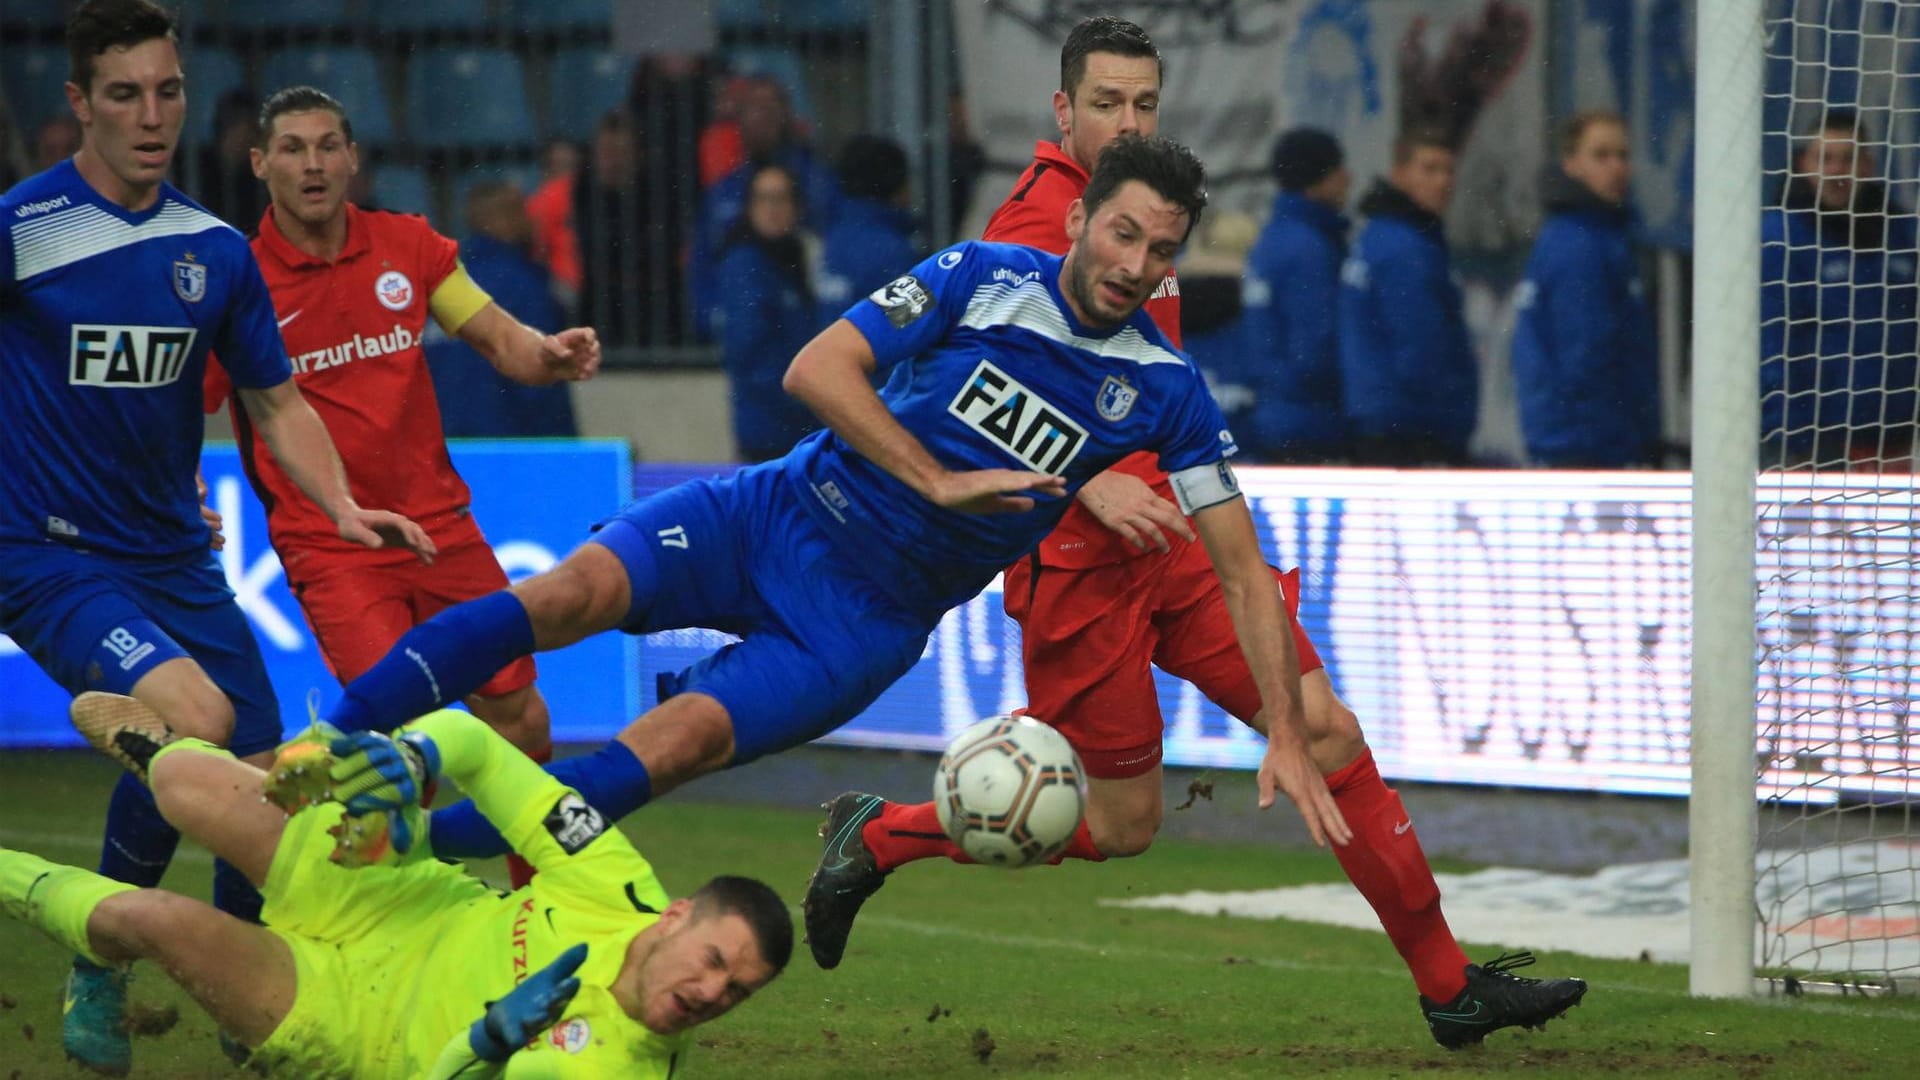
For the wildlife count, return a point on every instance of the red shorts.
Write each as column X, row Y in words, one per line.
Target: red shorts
column 358, row 611
column 1089, row 639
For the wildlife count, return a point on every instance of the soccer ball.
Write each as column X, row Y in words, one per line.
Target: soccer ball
column 1010, row 791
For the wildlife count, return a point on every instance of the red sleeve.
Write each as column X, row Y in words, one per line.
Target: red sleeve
column 216, row 387
column 438, row 255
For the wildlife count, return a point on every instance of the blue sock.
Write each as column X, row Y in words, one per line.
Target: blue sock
column 233, row 893
column 441, row 660
column 612, row 780
column 139, row 842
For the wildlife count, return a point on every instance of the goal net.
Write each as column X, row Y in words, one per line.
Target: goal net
column 1837, row 867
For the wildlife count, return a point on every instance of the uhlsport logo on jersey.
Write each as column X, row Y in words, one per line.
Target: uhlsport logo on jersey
column 129, row 356
column 904, row 299
column 1017, row 420
column 394, row 290
column 189, row 279
column 1115, row 399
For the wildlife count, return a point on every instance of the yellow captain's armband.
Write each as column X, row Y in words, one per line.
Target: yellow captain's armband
column 458, row 299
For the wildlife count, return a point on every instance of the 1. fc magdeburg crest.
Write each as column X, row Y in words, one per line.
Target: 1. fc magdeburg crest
column 189, row 280
column 1115, row 399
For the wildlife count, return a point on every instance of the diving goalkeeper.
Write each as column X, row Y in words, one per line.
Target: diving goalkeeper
column 408, row 968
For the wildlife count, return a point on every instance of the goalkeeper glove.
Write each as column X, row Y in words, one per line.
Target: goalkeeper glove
column 530, row 1008
column 373, row 772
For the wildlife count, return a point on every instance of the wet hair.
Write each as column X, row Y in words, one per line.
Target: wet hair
column 1168, row 168
column 296, row 99
column 759, row 906
column 100, row 25
column 1103, row 34
column 1576, row 129
column 1419, row 137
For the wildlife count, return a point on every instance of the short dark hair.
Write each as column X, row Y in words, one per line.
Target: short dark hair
column 1576, row 128
column 295, row 99
column 100, row 25
column 1421, row 136
column 1103, row 34
column 872, row 167
column 1168, row 168
column 756, row 903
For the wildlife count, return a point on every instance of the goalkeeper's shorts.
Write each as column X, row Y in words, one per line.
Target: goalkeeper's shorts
column 353, row 934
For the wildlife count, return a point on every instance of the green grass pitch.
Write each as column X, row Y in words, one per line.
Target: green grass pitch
column 970, row 972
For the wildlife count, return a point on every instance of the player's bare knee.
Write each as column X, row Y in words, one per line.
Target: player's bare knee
column 584, row 595
column 1125, row 838
column 130, row 926
column 520, row 717
column 684, row 737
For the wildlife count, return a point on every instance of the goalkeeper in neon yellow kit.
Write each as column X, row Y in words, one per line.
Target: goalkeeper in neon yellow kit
column 408, row 968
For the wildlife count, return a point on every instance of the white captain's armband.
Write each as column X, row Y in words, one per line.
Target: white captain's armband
column 1204, row 485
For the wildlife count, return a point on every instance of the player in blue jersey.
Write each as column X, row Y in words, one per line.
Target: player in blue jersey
column 113, row 288
column 1013, row 376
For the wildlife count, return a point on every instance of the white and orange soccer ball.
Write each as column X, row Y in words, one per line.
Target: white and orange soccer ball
column 1010, row 791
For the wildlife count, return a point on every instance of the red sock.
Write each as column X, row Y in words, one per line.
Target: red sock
column 519, row 870
column 908, row 833
column 1385, row 863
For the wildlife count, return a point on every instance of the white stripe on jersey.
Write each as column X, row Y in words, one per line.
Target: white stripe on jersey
column 1030, row 306
column 71, row 236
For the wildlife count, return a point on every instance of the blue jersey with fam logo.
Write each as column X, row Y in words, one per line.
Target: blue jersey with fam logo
column 988, row 367
column 106, row 317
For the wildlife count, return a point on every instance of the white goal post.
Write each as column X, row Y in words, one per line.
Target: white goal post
column 1726, row 419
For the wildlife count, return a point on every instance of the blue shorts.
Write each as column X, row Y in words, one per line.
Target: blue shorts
column 96, row 623
column 739, row 554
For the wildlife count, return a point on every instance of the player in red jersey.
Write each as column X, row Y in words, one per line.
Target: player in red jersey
column 352, row 290
column 1121, row 585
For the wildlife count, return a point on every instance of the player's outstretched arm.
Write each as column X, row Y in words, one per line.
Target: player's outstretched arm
column 832, row 375
column 300, row 443
column 1261, row 622
column 482, row 1051
column 1128, row 506
column 526, row 355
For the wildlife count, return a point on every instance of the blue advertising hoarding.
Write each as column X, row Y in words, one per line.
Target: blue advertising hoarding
column 535, row 499
column 1519, row 628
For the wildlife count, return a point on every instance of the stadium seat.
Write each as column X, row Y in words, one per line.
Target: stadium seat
column 39, row 14
column 582, row 84
column 350, row 74
column 563, row 14
column 424, row 15
column 780, row 64
column 35, row 81
column 405, row 188
column 212, row 73
column 468, row 98
column 526, row 177
column 281, row 14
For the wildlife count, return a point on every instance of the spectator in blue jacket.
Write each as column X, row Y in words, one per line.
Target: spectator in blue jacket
column 1837, row 309
column 1410, row 382
column 766, row 313
column 1584, row 363
column 1288, row 362
column 475, row 400
column 769, row 134
column 871, row 239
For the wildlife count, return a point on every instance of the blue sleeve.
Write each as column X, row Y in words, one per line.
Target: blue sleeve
column 1196, row 431
column 249, row 342
column 1578, row 301
column 907, row 315
column 1308, row 304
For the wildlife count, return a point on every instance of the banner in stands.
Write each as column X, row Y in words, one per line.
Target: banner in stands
column 534, row 498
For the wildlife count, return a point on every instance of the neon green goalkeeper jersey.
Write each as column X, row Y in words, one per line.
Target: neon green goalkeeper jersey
column 400, row 959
